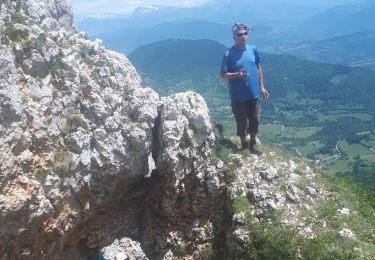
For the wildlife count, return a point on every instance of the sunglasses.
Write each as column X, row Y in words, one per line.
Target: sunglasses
column 241, row 34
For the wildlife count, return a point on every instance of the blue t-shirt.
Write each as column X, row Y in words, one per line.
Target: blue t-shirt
column 241, row 89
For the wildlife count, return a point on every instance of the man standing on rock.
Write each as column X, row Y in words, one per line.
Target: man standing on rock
column 241, row 67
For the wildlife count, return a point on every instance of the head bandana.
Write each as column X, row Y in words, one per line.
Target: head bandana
column 241, row 26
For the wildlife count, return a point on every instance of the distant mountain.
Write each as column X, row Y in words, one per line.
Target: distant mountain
column 179, row 59
column 340, row 20
column 94, row 25
column 276, row 22
column 361, row 21
column 266, row 12
column 127, row 40
column 218, row 11
column 355, row 49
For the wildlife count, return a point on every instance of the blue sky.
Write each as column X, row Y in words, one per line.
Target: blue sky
column 124, row 6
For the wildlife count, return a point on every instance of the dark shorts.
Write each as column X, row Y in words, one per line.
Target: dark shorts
column 247, row 114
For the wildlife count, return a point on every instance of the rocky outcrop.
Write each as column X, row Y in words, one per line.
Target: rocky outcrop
column 271, row 188
column 87, row 155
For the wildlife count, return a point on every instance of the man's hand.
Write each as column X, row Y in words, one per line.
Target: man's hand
column 232, row 75
column 265, row 93
column 243, row 73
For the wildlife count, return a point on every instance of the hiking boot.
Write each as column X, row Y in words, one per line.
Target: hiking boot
column 254, row 149
column 244, row 145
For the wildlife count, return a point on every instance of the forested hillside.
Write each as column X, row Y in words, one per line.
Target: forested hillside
column 355, row 50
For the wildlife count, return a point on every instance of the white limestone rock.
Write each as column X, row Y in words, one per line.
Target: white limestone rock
column 241, row 236
column 37, row 33
column 36, row 65
column 343, row 212
column 269, row 174
column 185, row 125
column 60, row 10
column 294, row 194
column 7, row 60
column 346, row 232
column 239, row 219
column 124, row 249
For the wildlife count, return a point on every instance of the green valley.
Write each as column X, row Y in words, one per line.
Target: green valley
column 324, row 112
column 356, row 50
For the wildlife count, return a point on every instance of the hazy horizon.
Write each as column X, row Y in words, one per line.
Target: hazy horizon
column 124, row 7
column 107, row 8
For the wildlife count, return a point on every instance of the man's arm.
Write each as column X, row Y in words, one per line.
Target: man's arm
column 262, row 89
column 232, row 75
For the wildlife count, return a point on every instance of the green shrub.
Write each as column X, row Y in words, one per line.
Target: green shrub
column 73, row 119
column 38, row 44
column 85, row 53
column 270, row 242
column 15, row 35
column 62, row 162
column 18, row 18
column 223, row 153
column 214, row 160
column 61, row 72
column 327, row 247
column 241, row 204
column 207, row 253
column 229, row 177
column 41, row 175
column 237, row 162
column 95, row 74
column 181, row 250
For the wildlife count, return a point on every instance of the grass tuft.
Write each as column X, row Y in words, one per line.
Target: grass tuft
column 62, row 163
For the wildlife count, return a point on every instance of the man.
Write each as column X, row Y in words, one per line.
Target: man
column 241, row 67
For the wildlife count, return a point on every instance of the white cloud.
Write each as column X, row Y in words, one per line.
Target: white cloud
column 124, row 6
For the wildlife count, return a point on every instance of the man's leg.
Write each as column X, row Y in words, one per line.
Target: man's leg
column 240, row 114
column 253, row 138
column 253, row 145
column 254, row 122
column 244, row 143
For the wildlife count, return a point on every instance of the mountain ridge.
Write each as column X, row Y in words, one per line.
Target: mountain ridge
column 182, row 30
column 341, row 20
column 273, row 24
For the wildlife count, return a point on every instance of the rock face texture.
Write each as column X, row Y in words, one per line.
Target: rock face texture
column 87, row 155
